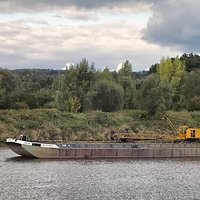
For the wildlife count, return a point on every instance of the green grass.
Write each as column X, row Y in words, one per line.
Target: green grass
column 45, row 124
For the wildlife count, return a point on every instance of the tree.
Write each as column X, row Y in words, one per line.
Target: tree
column 109, row 96
column 153, row 68
column 7, row 87
column 105, row 74
column 191, row 90
column 33, row 88
column 172, row 72
column 192, row 61
column 154, row 96
column 2, row 94
column 65, row 92
column 72, row 88
column 128, row 84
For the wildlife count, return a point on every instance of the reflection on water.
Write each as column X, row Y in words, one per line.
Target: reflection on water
column 23, row 178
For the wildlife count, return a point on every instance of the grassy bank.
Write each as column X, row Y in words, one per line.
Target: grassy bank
column 51, row 124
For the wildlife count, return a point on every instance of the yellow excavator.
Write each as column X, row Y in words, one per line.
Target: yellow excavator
column 184, row 133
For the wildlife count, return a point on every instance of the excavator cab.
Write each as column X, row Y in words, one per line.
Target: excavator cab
column 193, row 134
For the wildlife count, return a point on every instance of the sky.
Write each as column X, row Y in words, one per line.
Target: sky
column 51, row 33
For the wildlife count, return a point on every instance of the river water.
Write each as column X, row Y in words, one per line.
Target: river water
column 155, row 179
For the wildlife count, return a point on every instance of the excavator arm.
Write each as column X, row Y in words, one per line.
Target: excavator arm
column 171, row 124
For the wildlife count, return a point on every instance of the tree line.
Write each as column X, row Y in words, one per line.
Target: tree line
column 174, row 83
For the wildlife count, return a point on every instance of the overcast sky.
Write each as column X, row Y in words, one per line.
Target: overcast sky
column 51, row 33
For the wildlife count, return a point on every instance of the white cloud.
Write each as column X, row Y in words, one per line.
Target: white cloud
column 68, row 65
column 46, row 33
column 119, row 66
column 50, row 46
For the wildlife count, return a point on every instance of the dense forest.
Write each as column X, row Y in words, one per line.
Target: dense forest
column 82, row 102
column 172, row 84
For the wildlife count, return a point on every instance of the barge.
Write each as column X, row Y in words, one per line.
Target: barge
column 101, row 150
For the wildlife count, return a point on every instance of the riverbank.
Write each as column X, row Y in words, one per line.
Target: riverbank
column 51, row 124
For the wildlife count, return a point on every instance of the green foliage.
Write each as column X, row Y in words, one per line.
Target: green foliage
column 25, row 89
column 128, row 84
column 126, row 70
column 172, row 72
column 154, row 96
column 20, row 105
column 79, row 88
column 192, row 61
column 73, row 104
column 191, row 91
column 46, row 124
column 153, row 68
column 99, row 118
column 89, row 97
column 7, row 85
column 2, row 94
column 61, row 100
column 109, row 96
column 72, row 88
column 105, row 74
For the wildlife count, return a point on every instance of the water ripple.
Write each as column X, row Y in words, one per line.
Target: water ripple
column 154, row 179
